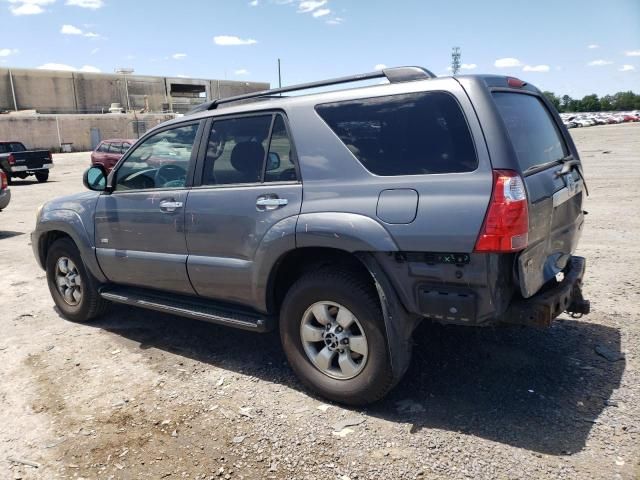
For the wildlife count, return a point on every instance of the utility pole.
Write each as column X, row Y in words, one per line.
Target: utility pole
column 279, row 75
column 124, row 72
column 455, row 60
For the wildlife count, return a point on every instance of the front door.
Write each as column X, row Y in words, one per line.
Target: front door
column 140, row 236
column 249, row 184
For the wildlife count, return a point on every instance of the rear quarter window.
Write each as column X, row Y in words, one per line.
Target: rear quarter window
column 532, row 131
column 409, row 134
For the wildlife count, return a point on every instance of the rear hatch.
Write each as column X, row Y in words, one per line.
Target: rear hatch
column 555, row 188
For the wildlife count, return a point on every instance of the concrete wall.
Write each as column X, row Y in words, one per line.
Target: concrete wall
column 75, row 92
column 41, row 131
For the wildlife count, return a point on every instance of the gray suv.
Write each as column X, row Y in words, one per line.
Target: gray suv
column 342, row 218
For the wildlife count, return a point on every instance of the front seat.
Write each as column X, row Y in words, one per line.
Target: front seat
column 247, row 158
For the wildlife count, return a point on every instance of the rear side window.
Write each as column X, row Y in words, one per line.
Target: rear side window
column 103, row 147
column 533, row 133
column 115, row 148
column 411, row 134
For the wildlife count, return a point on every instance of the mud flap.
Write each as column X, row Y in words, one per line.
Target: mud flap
column 399, row 325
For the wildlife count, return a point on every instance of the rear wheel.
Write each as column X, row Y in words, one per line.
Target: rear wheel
column 42, row 176
column 72, row 287
column 332, row 331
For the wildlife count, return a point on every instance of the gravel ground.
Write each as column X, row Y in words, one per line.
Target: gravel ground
column 144, row 395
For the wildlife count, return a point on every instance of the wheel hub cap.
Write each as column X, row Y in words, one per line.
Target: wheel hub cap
column 68, row 281
column 334, row 340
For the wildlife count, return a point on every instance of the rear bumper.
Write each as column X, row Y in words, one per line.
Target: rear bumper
column 540, row 309
column 25, row 168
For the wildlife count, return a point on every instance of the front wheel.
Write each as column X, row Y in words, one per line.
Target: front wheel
column 332, row 331
column 72, row 287
column 42, row 176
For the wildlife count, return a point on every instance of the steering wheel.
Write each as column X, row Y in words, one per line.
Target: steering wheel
column 170, row 173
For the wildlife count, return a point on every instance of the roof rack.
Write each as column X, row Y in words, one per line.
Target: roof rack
column 393, row 75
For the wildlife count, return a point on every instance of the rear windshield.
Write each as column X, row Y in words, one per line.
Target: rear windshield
column 411, row 134
column 533, row 133
column 11, row 147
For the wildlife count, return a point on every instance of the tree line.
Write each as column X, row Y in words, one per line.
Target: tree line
column 621, row 101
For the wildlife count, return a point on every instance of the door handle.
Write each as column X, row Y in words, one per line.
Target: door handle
column 269, row 202
column 170, row 206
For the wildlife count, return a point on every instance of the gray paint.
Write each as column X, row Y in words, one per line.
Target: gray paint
column 397, row 206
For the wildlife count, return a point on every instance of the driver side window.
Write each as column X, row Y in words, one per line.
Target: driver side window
column 161, row 161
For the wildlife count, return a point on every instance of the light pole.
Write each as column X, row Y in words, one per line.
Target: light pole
column 124, row 72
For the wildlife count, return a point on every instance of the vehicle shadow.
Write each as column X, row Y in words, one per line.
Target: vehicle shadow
column 23, row 183
column 9, row 234
column 541, row 390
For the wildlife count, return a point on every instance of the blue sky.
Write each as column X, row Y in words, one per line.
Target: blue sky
column 568, row 46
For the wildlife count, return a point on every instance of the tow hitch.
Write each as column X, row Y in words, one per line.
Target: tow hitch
column 578, row 306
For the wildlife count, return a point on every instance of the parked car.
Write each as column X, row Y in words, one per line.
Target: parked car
column 108, row 152
column 18, row 162
column 5, row 193
column 342, row 218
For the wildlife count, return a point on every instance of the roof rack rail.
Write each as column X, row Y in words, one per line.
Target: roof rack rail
column 393, row 75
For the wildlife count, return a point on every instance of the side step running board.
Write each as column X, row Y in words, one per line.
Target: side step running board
column 190, row 307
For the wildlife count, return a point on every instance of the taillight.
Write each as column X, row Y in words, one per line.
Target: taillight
column 11, row 159
column 49, row 156
column 506, row 225
column 3, row 180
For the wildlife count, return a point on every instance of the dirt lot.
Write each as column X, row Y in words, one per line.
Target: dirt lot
column 143, row 395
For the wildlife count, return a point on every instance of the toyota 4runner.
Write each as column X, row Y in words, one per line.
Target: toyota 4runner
column 342, row 218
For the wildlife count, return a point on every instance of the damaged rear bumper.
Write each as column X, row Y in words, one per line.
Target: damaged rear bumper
column 540, row 309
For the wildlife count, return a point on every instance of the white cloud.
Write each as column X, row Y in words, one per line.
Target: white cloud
column 632, row 53
column 468, row 66
column 321, row 12
column 308, row 6
column 69, row 68
column 335, row 21
column 241, row 71
column 228, row 40
column 94, row 51
column 536, row 68
column 627, row 68
column 599, row 63
column 5, row 52
column 73, row 30
column 70, row 30
column 28, row 7
column 593, row 45
column 507, row 62
column 253, row 3
column 92, row 4
column 178, row 56
column 380, row 66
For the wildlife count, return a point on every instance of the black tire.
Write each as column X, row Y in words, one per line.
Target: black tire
column 359, row 296
column 42, row 176
column 91, row 304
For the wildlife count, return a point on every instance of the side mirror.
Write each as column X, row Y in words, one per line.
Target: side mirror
column 95, row 178
column 273, row 162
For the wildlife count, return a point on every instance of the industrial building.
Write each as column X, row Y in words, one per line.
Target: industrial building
column 62, row 92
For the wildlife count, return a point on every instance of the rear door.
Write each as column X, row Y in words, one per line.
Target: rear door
column 555, row 194
column 249, row 183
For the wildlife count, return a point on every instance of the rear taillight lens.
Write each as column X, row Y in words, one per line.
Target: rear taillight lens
column 506, row 225
column 49, row 156
column 11, row 159
column 3, row 180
